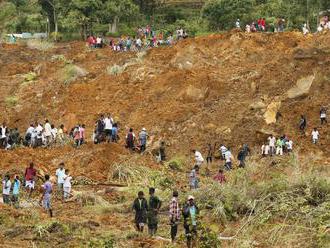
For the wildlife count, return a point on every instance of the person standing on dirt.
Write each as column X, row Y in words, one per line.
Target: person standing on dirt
column 223, row 150
column 198, row 158
column 130, row 140
column 153, row 210
column 6, row 186
column 114, row 133
column 238, row 24
column 60, row 174
column 279, row 146
column 100, row 129
column 28, row 135
column 30, row 177
column 67, row 184
column 140, row 206
column 272, row 141
column 323, row 115
column 193, row 178
column 210, row 152
column 47, row 133
column 243, row 153
column 3, row 135
column 302, row 124
column 315, row 136
column 108, row 122
column 39, row 131
column 162, row 153
column 174, row 215
column 82, row 134
column 47, row 195
column 190, row 215
column 143, row 136
column 228, row 159
column 16, row 189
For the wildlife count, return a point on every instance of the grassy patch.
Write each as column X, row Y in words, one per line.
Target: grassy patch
column 11, row 101
column 41, row 45
column 71, row 73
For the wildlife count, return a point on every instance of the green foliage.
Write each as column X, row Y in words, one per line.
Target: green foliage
column 208, row 238
column 72, row 72
column 106, row 242
column 176, row 163
column 11, row 101
column 31, row 76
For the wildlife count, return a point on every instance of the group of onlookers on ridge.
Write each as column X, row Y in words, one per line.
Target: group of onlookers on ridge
column 145, row 37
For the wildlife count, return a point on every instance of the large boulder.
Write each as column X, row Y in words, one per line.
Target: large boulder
column 271, row 112
column 302, row 87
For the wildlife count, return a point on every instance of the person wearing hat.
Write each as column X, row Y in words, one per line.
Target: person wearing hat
column 190, row 214
column 143, row 136
column 153, row 210
column 174, row 215
column 140, row 206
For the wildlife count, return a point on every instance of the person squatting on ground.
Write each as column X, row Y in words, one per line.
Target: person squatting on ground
column 174, row 210
column 228, row 159
column 140, row 206
column 198, row 158
column 153, row 210
column 190, row 215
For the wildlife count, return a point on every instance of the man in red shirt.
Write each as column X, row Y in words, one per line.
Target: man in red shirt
column 30, row 177
column 220, row 177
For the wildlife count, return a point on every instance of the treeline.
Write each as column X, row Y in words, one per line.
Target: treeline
column 84, row 17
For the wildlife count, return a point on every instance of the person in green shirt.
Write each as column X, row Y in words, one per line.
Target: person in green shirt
column 190, row 215
column 153, row 210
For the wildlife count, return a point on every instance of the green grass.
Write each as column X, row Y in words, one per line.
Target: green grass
column 11, row 101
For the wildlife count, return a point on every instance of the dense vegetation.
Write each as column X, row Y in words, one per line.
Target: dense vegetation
column 83, row 17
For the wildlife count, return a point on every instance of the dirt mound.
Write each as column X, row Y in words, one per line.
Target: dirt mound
column 224, row 88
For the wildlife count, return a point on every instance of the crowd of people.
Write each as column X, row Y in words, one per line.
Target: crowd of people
column 40, row 134
column 145, row 37
column 11, row 187
column 261, row 26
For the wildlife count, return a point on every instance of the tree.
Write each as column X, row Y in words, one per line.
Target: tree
column 116, row 10
column 222, row 14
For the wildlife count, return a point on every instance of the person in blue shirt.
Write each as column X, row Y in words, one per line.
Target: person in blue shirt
column 114, row 133
column 16, row 189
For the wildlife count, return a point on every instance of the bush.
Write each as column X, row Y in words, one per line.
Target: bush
column 176, row 163
column 31, row 76
column 72, row 72
column 115, row 69
column 11, row 101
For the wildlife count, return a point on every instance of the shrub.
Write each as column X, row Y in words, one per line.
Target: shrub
column 72, row 72
column 31, row 76
column 115, row 69
column 176, row 163
column 11, row 101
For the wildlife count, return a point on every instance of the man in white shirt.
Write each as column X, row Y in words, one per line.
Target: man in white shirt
column 60, row 174
column 39, row 131
column 67, row 184
column 272, row 141
column 265, row 150
column 6, row 185
column 228, row 159
column 223, row 150
column 47, row 133
column 289, row 145
column 3, row 137
column 108, row 122
column 315, row 136
column 198, row 158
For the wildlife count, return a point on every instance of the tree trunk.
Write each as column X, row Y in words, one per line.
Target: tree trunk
column 113, row 27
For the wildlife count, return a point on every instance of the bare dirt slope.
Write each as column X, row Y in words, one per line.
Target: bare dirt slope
column 214, row 88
